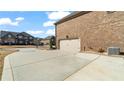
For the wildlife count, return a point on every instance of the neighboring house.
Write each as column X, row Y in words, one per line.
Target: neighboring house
column 90, row 30
column 15, row 38
column 44, row 41
column 24, row 38
column 8, row 37
column 48, row 41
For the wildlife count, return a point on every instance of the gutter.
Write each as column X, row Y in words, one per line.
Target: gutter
column 67, row 18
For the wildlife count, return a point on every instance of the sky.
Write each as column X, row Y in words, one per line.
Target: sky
column 37, row 23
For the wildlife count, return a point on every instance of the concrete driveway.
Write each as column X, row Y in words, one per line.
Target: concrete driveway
column 33, row 64
column 43, row 65
column 103, row 68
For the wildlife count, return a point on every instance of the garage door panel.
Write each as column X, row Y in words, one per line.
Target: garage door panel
column 70, row 45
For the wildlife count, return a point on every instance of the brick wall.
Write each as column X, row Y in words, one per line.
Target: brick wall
column 95, row 29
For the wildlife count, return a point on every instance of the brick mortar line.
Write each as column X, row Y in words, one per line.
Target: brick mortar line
column 83, row 67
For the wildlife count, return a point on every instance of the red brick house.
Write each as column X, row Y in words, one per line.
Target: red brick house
column 90, row 30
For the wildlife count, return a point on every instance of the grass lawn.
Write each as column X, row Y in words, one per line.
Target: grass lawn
column 45, row 47
column 3, row 53
column 17, row 46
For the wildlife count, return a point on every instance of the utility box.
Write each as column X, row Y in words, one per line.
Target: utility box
column 113, row 51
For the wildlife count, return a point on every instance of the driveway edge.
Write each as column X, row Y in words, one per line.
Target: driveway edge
column 7, row 74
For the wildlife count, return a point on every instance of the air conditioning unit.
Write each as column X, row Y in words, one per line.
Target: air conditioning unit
column 113, row 50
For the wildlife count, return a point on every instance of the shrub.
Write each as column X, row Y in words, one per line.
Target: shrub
column 101, row 50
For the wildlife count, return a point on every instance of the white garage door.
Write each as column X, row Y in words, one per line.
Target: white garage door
column 70, row 45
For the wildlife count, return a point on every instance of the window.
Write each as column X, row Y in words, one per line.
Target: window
column 20, row 42
column 19, row 36
column 26, row 37
column 5, row 41
column 13, row 41
column 9, row 36
column 30, row 37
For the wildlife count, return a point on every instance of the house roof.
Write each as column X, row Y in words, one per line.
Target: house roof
column 3, row 33
column 71, row 16
column 48, row 37
column 25, row 34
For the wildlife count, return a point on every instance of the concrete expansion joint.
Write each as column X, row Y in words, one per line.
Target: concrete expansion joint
column 84, row 66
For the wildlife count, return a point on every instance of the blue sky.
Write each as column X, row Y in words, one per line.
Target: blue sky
column 37, row 23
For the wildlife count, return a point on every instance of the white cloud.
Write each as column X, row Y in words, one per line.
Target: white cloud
column 57, row 15
column 37, row 32
column 48, row 23
column 19, row 19
column 40, row 32
column 8, row 21
column 50, row 32
column 14, row 23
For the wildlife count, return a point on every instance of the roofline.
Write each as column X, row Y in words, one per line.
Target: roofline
column 68, row 17
column 9, row 31
column 16, row 33
column 27, row 34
